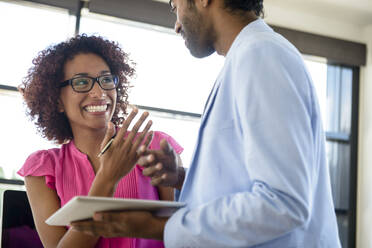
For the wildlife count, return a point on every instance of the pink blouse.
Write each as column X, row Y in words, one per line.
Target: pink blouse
column 69, row 173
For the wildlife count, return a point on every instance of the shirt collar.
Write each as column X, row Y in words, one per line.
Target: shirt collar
column 256, row 26
column 74, row 150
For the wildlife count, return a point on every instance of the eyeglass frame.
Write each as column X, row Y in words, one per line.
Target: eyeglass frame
column 172, row 7
column 95, row 79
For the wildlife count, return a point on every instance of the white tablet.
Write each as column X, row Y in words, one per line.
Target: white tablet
column 83, row 207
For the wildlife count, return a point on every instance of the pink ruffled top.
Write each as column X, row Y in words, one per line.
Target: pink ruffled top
column 69, row 173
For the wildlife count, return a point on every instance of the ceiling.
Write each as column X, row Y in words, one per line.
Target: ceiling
column 357, row 12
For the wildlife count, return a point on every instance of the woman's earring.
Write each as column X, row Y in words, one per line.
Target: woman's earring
column 60, row 107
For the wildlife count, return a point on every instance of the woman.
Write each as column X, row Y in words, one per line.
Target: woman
column 75, row 92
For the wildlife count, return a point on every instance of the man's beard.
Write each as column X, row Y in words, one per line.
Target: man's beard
column 199, row 45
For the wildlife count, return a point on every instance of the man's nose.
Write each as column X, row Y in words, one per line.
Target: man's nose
column 177, row 27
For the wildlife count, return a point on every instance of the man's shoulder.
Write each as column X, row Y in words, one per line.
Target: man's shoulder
column 263, row 46
column 264, row 41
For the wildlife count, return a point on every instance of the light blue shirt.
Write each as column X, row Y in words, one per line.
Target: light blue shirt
column 258, row 177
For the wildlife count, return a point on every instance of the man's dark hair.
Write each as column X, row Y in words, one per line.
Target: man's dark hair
column 238, row 6
column 244, row 5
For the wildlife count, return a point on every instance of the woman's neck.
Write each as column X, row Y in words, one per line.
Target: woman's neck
column 89, row 141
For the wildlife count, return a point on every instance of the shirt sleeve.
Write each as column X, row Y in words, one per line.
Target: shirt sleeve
column 39, row 164
column 274, row 108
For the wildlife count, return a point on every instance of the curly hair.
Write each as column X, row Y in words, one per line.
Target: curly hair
column 40, row 91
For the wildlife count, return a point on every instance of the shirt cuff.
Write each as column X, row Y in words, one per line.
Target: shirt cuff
column 177, row 192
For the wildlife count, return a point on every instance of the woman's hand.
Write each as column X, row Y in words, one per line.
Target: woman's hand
column 163, row 166
column 119, row 159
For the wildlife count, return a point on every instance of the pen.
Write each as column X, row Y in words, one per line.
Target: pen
column 107, row 146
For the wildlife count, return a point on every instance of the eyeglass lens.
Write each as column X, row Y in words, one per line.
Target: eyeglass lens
column 107, row 82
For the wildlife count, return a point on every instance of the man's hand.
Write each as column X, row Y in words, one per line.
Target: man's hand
column 163, row 166
column 133, row 224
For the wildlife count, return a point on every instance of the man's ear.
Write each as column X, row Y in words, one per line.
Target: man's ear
column 205, row 3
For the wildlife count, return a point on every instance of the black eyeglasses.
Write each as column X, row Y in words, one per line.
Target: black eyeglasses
column 84, row 84
column 171, row 4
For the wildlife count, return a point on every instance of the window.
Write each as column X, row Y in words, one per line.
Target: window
column 25, row 30
column 167, row 76
column 341, row 132
column 22, row 38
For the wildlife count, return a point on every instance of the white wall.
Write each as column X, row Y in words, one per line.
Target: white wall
column 279, row 15
column 339, row 28
column 364, row 203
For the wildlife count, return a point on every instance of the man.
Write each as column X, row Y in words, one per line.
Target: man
column 258, row 177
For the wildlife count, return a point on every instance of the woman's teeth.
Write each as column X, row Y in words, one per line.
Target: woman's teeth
column 100, row 108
